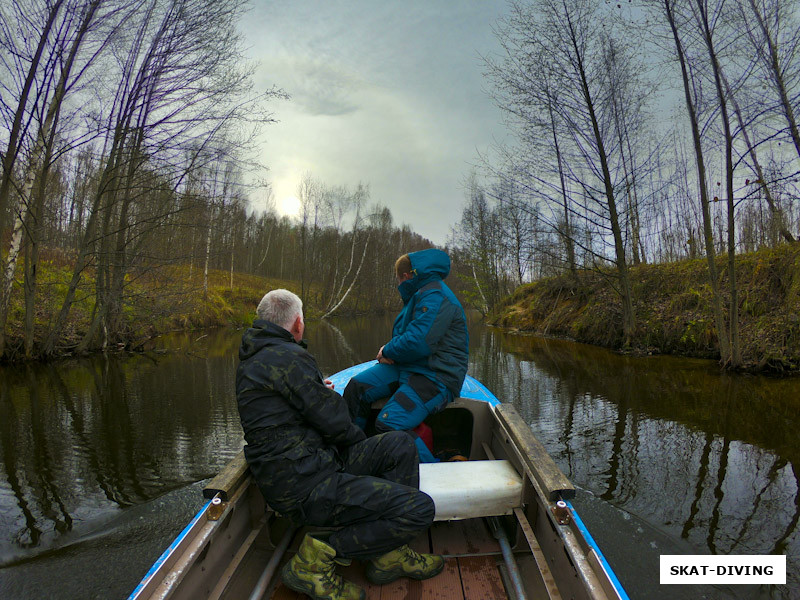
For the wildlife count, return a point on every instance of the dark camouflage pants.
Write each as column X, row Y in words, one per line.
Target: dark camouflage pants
column 375, row 498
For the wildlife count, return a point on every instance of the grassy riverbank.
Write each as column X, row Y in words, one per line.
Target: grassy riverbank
column 673, row 309
column 170, row 299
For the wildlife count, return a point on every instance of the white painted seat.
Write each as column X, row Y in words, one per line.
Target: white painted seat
column 475, row 488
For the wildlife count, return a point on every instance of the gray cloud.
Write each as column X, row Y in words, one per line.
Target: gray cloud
column 320, row 87
column 390, row 94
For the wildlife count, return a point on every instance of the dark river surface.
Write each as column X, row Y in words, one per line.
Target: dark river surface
column 102, row 460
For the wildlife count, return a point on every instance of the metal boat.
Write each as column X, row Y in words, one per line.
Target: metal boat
column 504, row 522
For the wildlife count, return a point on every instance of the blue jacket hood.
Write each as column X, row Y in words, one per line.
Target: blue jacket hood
column 427, row 265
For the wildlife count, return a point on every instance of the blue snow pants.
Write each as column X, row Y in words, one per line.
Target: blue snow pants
column 413, row 398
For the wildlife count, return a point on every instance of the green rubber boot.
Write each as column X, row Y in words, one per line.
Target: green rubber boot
column 403, row 562
column 312, row 571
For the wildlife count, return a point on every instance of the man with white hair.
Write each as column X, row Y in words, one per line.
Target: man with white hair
column 315, row 466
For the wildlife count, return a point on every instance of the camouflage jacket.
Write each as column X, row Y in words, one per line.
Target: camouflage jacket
column 292, row 423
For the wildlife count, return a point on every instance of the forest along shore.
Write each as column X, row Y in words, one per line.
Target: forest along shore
column 672, row 303
column 174, row 298
column 673, row 309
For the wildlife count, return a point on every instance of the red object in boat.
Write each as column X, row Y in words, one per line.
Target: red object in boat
column 425, row 433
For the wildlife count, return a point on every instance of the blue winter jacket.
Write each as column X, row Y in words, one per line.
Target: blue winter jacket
column 430, row 333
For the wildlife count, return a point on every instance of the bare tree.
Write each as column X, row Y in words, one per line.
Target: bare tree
column 12, row 47
column 557, row 63
column 479, row 235
column 179, row 88
column 771, row 27
column 41, row 149
column 673, row 18
column 517, row 222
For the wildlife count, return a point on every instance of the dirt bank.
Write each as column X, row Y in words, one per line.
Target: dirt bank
column 673, row 309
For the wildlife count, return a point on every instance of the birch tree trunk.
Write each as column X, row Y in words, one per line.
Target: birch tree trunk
column 352, row 283
column 45, row 130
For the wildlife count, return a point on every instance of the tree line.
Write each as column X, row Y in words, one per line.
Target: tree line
column 127, row 149
column 643, row 132
column 339, row 250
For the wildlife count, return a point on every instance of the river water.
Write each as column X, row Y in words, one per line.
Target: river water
column 102, row 460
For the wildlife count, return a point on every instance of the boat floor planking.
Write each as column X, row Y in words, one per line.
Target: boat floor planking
column 555, row 558
column 465, row 576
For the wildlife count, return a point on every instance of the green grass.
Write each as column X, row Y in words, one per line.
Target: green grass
column 156, row 302
column 673, row 308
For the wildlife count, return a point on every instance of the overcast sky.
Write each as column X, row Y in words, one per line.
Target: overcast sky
column 387, row 93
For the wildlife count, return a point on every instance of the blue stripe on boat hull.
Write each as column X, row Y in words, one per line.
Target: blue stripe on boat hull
column 165, row 555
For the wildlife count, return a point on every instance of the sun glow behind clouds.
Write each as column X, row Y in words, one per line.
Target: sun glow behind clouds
column 289, row 206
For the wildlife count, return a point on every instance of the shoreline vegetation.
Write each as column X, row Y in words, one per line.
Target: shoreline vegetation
column 156, row 303
column 673, row 309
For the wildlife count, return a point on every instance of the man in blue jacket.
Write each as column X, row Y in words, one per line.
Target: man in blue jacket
column 424, row 365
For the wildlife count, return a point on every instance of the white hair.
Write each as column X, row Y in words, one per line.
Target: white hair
column 281, row 307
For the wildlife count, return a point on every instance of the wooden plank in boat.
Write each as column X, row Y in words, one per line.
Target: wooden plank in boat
column 284, row 593
column 402, row 589
column 480, row 579
column 552, row 481
column 458, row 538
column 445, row 586
column 421, row 543
column 355, row 573
column 399, row 589
column 228, row 479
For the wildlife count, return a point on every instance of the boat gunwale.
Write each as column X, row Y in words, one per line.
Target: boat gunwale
column 167, row 554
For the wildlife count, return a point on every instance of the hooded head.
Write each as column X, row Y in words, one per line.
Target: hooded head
column 426, row 266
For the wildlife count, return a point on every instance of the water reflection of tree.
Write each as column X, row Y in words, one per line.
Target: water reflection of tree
column 81, row 440
column 343, row 342
column 702, row 476
column 339, row 350
column 44, row 457
column 706, row 456
column 8, row 443
column 114, row 432
column 86, row 446
column 487, row 363
column 791, row 528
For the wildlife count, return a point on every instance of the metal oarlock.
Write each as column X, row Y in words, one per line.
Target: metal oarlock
column 561, row 512
column 215, row 509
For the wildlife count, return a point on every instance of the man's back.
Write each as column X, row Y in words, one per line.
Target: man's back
column 316, row 467
column 292, row 423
